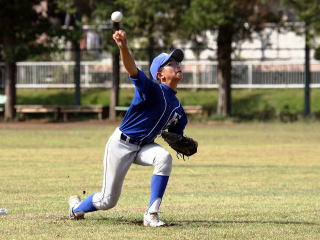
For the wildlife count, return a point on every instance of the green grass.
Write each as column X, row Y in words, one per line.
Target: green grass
column 66, row 96
column 248, row 181
column 262, row 104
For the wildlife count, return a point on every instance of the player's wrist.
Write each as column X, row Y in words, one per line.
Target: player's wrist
column 123, row 46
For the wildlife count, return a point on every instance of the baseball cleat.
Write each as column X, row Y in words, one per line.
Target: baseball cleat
column 74, row 202
column 152, row 220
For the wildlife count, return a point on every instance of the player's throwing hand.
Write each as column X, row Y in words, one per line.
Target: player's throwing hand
column 120, row 38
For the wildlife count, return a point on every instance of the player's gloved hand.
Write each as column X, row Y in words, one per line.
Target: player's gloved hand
column 182, row 145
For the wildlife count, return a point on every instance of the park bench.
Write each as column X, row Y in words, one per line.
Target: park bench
column 121, row 108
column 3, row 100
column 22, row 110
column 66, row 110
column 194, row 110
column 191, row 110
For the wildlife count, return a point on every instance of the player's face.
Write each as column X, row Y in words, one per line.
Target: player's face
column 172, row 70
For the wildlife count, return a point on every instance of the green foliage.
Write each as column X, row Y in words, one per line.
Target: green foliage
column 305, row 11
column 287, row 114
column 317, row 53
column 268, row 104
column 45, row 97
column 153, row 23
column 101, row 16
column 66, row 97
column 152, row 17
column 245, row 16
column 21, row 25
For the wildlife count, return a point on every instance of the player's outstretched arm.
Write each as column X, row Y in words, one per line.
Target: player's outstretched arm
column 127, row 59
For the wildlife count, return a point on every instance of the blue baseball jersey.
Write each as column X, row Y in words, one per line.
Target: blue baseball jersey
column 155, row 107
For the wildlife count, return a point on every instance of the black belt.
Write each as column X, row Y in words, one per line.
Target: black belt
column 128, row 139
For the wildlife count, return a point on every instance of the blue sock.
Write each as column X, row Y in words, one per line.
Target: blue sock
column 158, row 186
column 86, row 205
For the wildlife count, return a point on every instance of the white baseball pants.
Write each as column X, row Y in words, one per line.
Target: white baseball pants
column 118, row 157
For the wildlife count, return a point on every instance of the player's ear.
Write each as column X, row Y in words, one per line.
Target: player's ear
column 160, row 77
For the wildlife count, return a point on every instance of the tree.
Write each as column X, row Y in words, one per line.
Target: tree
column 22, row 23
column 233, row 20
column 103, row 11
column 305, row 12
column 72, row 12
column 97, row 13
column 143, row 19
column 155, row 22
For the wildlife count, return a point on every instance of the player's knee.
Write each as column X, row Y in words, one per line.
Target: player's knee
column 163, row 163
column 106, row 203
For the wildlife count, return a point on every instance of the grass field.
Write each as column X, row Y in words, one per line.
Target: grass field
column 248, row 181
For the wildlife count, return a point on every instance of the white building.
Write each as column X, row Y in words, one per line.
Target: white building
column 271, row 44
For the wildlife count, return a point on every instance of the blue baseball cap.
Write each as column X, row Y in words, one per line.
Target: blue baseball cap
column 159, row 61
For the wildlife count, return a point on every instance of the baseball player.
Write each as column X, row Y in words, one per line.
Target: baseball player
column 153, row 109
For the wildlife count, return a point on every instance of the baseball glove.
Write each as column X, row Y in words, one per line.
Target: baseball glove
column 184, row 146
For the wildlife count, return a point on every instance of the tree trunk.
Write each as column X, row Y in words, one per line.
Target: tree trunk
column 225, row 34
column 114, row 97
column 150, row 52
column 10, row 89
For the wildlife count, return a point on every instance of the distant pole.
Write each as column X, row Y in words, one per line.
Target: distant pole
column 77, row 59
column 307, row 75
column 114, row 98
column 77, row 73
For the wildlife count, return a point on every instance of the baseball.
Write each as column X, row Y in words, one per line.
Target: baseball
column 116, row 16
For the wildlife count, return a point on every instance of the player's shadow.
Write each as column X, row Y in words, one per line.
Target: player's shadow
column 204, row 223
column 209, row 223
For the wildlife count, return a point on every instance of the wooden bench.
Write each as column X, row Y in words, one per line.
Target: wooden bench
column 192, row 110
column 98, row 109
column 121, row 108
column 28, row 109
